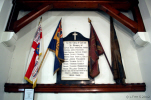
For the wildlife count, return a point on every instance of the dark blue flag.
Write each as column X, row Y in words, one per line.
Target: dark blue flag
column 56, row 46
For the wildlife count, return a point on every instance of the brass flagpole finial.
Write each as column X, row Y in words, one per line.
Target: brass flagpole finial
column 89, row 20
column 40, row 21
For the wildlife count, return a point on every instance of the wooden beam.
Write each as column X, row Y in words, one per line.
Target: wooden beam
column 138, row 18
column 76, row 4
column 119, row 16
column 108, row 6
column 50, row 88
column 31, row 16
column 12, row 17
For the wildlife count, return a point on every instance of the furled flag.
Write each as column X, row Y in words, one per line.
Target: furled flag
column 95, row 50
column 117, row 66
column 32, row 64
column 56, row 46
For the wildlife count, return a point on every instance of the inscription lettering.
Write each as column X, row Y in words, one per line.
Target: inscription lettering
column 75, row 66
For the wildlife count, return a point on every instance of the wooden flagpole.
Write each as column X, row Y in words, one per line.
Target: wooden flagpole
column 42, row 60
column 108, row 62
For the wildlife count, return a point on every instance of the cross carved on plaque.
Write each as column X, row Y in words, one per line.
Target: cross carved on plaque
column 74, row 35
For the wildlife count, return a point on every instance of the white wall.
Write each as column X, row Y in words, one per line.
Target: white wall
column 144, row 53
column 4, row 15
column 1, row 4
column 75, row 21
column 5, row 52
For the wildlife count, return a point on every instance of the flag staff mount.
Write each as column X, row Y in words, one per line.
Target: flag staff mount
column 103, row 52
column 40, row 21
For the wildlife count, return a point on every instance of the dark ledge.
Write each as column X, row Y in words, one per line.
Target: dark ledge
column 92, row 88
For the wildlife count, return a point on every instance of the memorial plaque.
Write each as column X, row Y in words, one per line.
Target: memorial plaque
column 75, row 66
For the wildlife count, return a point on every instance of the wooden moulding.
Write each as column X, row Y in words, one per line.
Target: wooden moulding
column 92, row 88
column 31, row 16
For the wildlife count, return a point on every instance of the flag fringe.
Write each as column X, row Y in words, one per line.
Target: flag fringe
column 31, row 82
column 56, row 71
column 34, row 85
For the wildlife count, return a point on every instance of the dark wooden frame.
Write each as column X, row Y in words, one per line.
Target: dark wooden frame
column 111, row 7
column 31, row 16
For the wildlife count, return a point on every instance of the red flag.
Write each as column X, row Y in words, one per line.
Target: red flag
column 95, row 50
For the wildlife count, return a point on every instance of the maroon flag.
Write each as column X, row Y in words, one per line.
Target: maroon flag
column 95, row 50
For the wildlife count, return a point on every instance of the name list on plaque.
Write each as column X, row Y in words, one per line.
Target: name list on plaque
column 75, row 66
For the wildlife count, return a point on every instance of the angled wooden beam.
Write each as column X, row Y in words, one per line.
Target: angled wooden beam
column 31, row 16
column 119, row 16
column 60, row 88
column 138, row 18
column 12, row 17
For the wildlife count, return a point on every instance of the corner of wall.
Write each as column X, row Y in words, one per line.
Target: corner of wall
column 145, row 52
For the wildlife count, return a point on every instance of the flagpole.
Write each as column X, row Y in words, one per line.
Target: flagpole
column 42, row 60
column 103, row 52
column 40, row 21
column 108, row 62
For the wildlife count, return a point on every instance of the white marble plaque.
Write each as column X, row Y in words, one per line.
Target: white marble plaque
column 75, row 66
